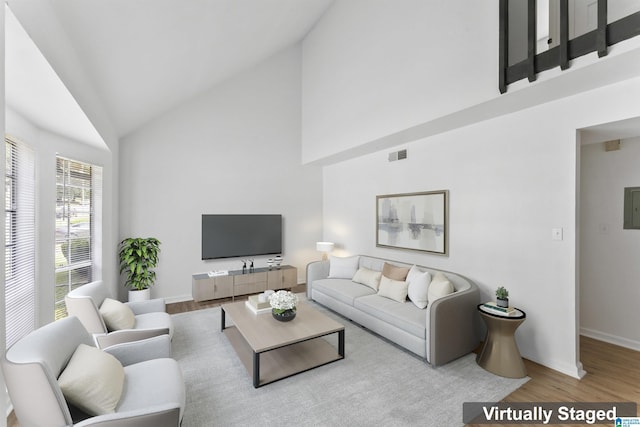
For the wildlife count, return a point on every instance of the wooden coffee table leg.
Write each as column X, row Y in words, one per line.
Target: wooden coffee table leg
column 256, row 369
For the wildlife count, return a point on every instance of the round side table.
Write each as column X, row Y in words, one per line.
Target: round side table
column 500, row 354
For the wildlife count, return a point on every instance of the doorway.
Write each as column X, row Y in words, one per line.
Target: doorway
column 608, row 267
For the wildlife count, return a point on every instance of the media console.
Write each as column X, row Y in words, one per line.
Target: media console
column 242, row 282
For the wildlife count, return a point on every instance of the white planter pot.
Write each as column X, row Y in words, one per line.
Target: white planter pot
column 143, row 295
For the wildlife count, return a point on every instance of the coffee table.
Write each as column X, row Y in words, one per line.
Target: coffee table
column 272, row 350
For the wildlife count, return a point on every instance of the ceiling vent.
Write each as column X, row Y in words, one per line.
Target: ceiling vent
column 398, row 155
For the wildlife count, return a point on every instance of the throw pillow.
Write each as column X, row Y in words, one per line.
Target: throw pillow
column 394, row 272
column 343, row 268
column 368, row 277
column 116, row 315
column 393, row 289
column 92, row 380
column 418, row 286
column 440, row 286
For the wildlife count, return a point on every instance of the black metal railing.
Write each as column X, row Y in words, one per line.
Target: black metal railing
column 597, row 40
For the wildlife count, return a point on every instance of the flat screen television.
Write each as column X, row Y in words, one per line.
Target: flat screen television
column 229, row 236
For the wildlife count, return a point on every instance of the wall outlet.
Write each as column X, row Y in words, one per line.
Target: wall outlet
column 556, row 233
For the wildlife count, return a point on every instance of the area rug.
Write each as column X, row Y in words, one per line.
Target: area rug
column 378, row 383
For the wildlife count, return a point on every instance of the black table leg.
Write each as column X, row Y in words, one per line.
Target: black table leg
column 256, row 369
column 341, row 343
column 222, row 319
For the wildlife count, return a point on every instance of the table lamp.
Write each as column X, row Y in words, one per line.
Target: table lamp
column 325, row 248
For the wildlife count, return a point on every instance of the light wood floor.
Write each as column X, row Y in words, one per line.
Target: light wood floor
column 613, row 373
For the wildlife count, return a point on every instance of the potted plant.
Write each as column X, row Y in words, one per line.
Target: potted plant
column 138, row 258
column 283, row 305
column 502, row 296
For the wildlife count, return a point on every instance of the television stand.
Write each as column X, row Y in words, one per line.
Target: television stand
column 239, row 282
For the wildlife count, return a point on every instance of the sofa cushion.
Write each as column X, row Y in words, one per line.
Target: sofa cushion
column 368, row 277
column 92, row 381
column 418, row 286
column 342, row 289
column 393, row 289
column 155, row 320
column 116, row 315
column 150, row 383
column 394, row 272
column 440, row 286
column 405, row 316
column 343, row 268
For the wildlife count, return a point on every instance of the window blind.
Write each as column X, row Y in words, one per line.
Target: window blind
column 20, row 298
column 76, row 185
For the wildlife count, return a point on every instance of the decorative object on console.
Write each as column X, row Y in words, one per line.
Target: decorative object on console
column 277, row 261
column 415, row 221
column 283, row 305
column 502, row 296
column 325, row 248
column 138, row 257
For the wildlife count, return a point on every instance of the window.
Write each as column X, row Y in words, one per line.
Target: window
column 19, row 190
column 75, row 200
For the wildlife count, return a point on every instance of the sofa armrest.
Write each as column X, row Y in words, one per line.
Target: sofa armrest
column 452, row 326
column 148, row 306
column 167, row 415
column 139, row 351
column 128, row 335
column 316, row 270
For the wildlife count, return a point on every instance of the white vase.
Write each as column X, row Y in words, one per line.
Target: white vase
column 142, row 295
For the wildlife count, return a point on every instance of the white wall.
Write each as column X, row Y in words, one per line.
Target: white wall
column 47, row 146
column 376, row 75
column 234, row 149
column 4, row 397
column 511, row 180
column 609, row 267
column 373, row 68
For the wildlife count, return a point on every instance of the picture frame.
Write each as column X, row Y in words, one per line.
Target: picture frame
column 415, row 221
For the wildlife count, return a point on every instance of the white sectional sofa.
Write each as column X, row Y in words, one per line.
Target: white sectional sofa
column 446, row 329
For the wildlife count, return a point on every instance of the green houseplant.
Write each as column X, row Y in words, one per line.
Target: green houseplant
column 502, row 296
column 138, row 257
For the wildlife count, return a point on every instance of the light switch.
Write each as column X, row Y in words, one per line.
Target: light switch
column 556, row 233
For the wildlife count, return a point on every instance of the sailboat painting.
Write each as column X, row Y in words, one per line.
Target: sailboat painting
column 416, row 221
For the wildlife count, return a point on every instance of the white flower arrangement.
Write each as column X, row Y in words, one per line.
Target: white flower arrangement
column 282, row 301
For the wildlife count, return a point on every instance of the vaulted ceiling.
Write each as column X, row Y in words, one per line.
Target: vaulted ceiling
column 145, row 57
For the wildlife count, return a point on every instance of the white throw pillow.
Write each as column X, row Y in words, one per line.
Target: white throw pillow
column 393, row 289
column 418, row 286
column 440, row 286
column 92, row 380
column 117, row 315
column 370, row 278
column 343, row 268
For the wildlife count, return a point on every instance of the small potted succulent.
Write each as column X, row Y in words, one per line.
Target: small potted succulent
column 502, row 296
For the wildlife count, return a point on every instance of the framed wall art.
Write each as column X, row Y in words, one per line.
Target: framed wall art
column 416, row 221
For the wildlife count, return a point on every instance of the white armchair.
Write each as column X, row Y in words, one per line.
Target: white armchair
column 150, row 317
column 151, row 390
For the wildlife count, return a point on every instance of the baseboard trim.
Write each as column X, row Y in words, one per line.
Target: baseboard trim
column 610, row 338
column 183, row 298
